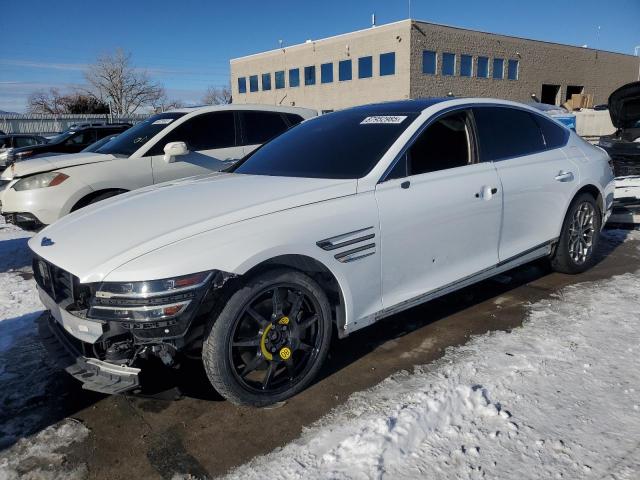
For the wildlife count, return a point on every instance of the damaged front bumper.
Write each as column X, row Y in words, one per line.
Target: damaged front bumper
column 95, row 375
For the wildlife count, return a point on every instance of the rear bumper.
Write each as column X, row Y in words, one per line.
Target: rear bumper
column 95, row 375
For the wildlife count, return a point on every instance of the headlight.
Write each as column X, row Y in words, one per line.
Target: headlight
column 41, row 180
column 147, row 301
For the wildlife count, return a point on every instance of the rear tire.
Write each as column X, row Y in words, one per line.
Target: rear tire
column 580, row 236
column 270, row 339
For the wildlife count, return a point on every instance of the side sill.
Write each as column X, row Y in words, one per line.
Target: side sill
column 530, row 255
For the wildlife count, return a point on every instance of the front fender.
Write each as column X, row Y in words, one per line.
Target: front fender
column 239, row 247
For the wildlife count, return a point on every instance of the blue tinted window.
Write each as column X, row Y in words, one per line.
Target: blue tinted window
column 498, row 68
column 242, row 85
column 483, row 67
column 429, row 62
column 294, row 77
column 513, row 70
column 387, row 63
column 326, row 73
column 344, row 70
column 365, row 67
column 266, row 81
column 253, row 83
column 279, row 79
column 466, row 65
column 448, row 63
column 310, row 75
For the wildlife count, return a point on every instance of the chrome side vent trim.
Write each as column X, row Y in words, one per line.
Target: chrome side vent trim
column 346, row 239
column 356, row 253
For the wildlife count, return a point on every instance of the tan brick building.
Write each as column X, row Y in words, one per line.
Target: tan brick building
column 412, row 59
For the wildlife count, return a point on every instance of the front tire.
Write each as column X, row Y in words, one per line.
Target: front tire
column 270, row 339
column 580, row 236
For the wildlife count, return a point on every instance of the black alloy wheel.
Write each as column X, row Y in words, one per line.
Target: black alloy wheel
column 270, row 339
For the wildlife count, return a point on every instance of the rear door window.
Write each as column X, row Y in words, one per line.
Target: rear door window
column 505, row 132
column 24, row 142
column 260, row 127
column 84, row 137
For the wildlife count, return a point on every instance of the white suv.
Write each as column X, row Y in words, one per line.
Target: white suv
column 339, row 222
column 167, row 146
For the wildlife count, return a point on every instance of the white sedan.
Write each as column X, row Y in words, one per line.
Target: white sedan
column 347, row 218
column 175, row 144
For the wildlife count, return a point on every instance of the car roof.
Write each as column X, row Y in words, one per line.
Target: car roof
column 246, row 106
column 406, row 106
column 8, row 135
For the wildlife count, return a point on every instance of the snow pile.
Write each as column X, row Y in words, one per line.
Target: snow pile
column 556, row 398
column 38, row 457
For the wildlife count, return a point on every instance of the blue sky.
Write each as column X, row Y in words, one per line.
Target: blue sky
column 186, row 45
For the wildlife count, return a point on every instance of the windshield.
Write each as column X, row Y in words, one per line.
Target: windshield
column 96, row 145
column 345, row 144
column 131, row 140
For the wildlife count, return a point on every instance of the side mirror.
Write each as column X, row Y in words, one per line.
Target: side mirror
column 174, row 149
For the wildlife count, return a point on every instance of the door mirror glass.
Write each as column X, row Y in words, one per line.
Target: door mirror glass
column 173, row 150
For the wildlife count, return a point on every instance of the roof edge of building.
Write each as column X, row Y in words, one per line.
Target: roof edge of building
column 415, row 20
column 297, row 45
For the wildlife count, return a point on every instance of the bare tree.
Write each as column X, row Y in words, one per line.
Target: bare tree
column 217, row 96
column 126, row 88
column 163, row 104
column 44, row 102
column 53, row 102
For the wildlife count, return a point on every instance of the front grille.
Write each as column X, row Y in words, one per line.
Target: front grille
column 625, row 165
column 58, row 283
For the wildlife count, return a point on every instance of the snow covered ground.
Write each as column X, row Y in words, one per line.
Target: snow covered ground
column 556, row 398
column 27, row 381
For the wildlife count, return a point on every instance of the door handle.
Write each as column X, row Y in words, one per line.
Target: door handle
column 564, row 176
column 487, row 193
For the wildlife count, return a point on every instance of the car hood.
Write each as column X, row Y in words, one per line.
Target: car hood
column 56, row 162
column 95, row 240
column 624, row 105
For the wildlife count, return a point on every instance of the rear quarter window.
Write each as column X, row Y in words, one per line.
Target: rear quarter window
column 259, row 127
column 554, row 135
column 505, row 132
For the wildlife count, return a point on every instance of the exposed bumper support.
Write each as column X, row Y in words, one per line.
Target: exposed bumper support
column 95, row 375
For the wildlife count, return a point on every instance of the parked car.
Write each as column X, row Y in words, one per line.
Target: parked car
column 623, row 146
column 94, row 147
column 343, row 220
column 16, row 140
column 71, row 141
column 558, row 112
column 167, row 146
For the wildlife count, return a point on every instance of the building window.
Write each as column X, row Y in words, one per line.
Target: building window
column 448, row 63
column 253, row 83
column 498, row 68
column 344, row 70
column 513, row 70
column 483, row 67
column 429, row 62
column 266, row 81
column 294, row 77
column 310, row 75
column 279, row 79
column 365, row 67
column 242, row 85
column 387, row 64
column 326, row 73
column 466, row 66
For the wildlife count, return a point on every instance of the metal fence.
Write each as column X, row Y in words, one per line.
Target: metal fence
column 50, row 124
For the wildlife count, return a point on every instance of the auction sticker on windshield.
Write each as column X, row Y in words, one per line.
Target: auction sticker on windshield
column 384, row 119
column 163, row 121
